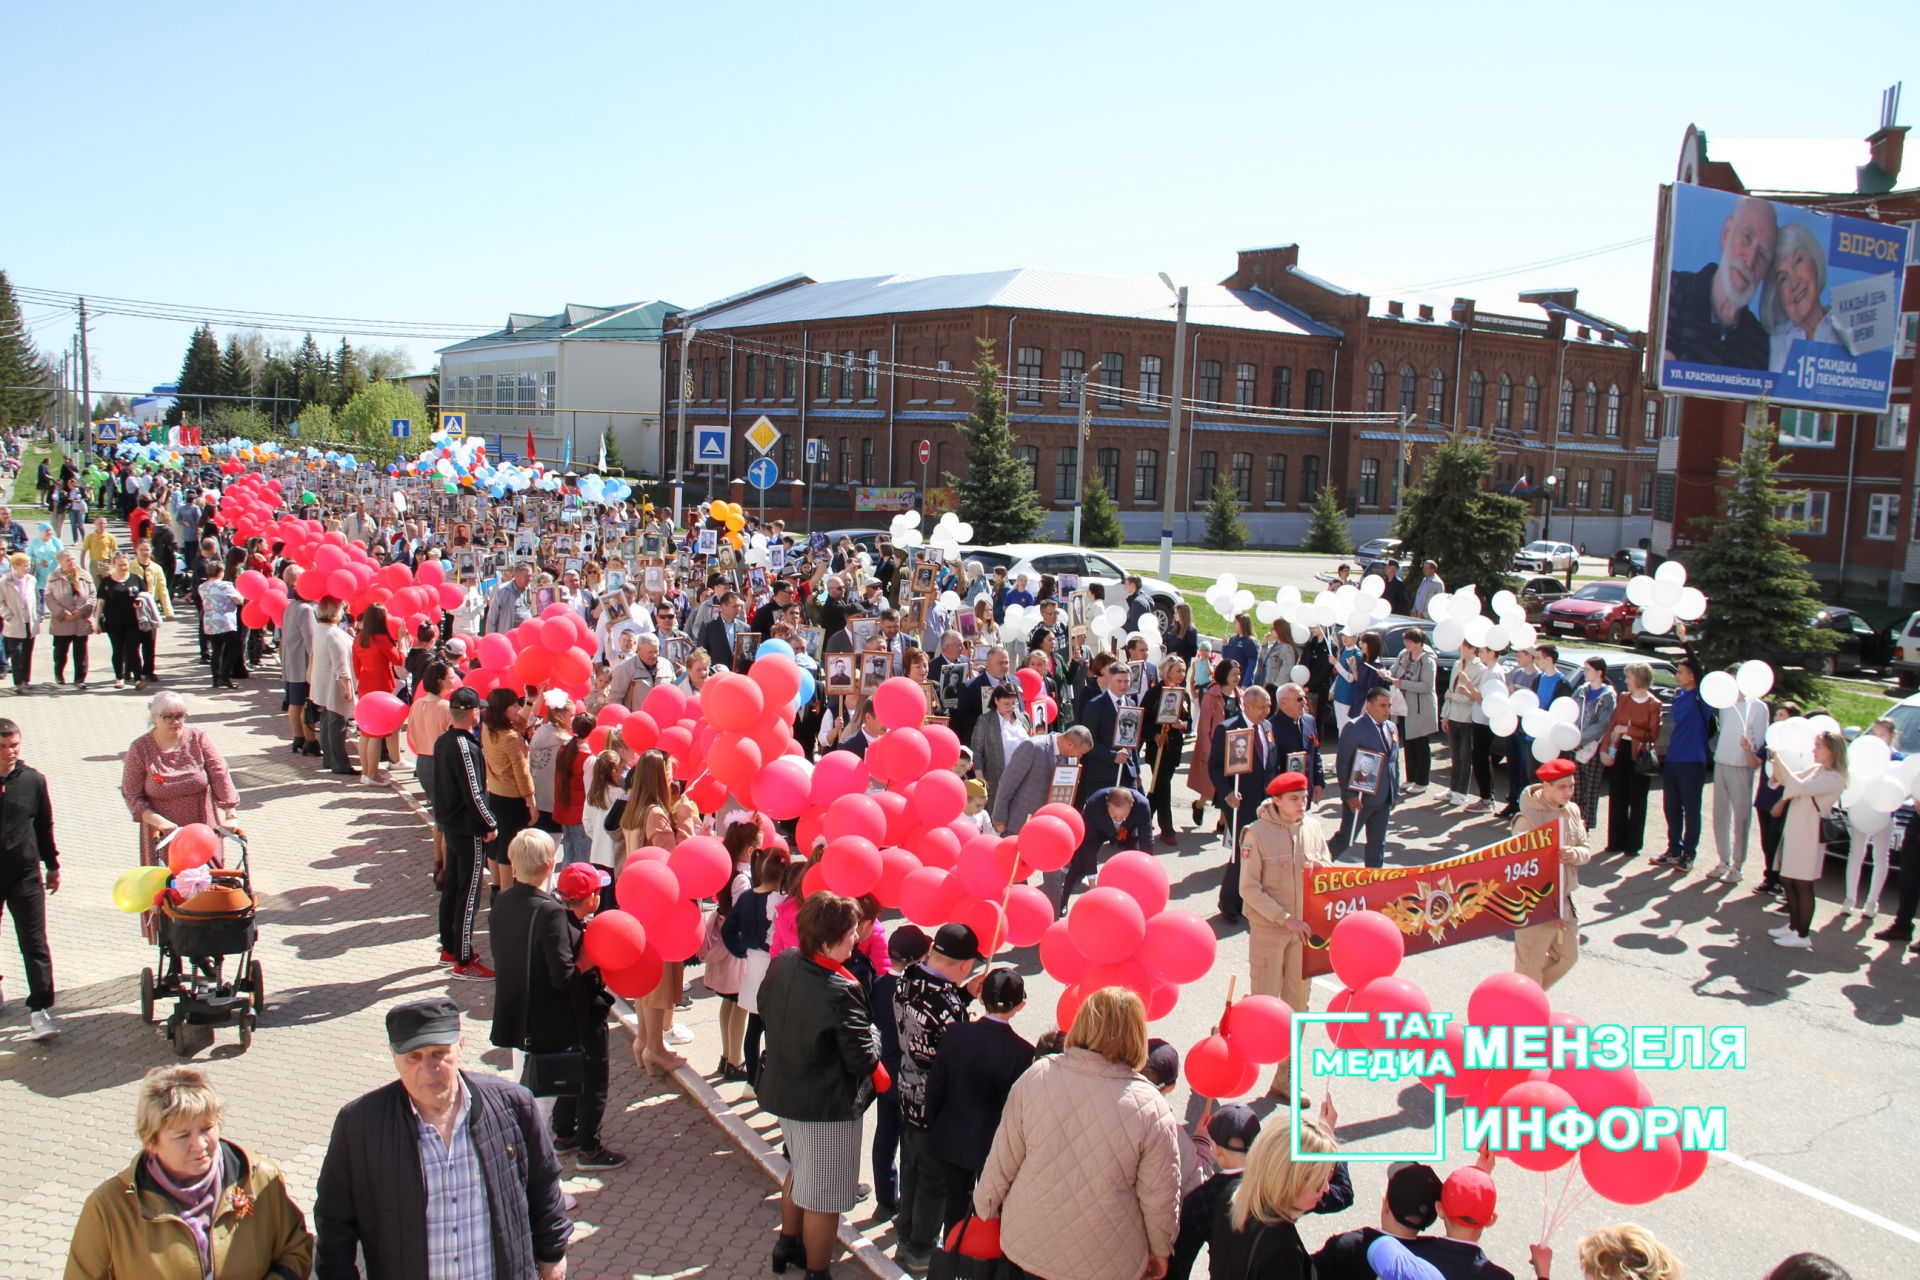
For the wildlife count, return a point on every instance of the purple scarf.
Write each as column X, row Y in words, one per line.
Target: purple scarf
column 195, row 1201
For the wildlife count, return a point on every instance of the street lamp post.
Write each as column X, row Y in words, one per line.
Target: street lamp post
column 1082, row 427
column 1173, row 425
column 683, row 448
column 1553, row 489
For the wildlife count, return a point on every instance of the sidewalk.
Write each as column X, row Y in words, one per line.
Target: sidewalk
column 343, row 872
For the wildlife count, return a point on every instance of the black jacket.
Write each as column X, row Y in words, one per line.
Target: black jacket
column 1261, row 1252
column 972, row 1075
column 532, row 1001
column 1251, row 786
column 26, row 825
column 372, row 1194
column 713, row 638
column 821, row 1044
column 460, row 786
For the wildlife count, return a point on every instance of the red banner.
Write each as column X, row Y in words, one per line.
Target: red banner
column 1492, row 890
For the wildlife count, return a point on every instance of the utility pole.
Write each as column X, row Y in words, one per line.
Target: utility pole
column 1085, row 427
column 1173, row 426
column 1400, row 465
column 86, row 375
column 680, row 463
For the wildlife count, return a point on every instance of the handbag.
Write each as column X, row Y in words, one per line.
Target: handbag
column 1647, row 763
column 951, row 1264
column 550, row 1075
column 1834, row 828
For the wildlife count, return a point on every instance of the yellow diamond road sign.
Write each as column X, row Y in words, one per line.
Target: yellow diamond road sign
column 763, row 435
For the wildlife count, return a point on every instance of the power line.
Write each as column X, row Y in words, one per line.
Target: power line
column 253, row 319
column 1523, row 267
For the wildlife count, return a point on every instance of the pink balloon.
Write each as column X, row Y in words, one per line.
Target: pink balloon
column 1594, row 1089
column 1141, row 877
column 1179, row 946
column 702, row 865
column 555, row 635
column 1261, row 1028
column 666, row 704
column 1047, row 845
column 837, row 774
column 431, row 573
column 647, row 890
column 495, row 652
column 342, row 584
column 779, row 679
column 900, row 820
column 925, row 897
column 732, row 703
column 938, row 798
column 983, row 916
column 379, row 714
column 1386, row 995
column 1029, row 915
column 1508, row 1000
column 1552, row 1099
column 782, row 788
column 1632, row 1176
column 1693, row 1163
column 1060, row 957
column 901, row 755
column 943, row 746
column 854, row 815
column 735, row 760
column 450, row 595
column 1215, row 1069
column 1067, row 814
column 1365, row 945
column 936, row 846
column 899, row 703
column 1106, row 924
column 895, row 866
column 976, row 870
column 852, row 866
column 679, row 936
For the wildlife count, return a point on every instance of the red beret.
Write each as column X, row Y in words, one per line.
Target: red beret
column 1292, row 781
column 1554, row 770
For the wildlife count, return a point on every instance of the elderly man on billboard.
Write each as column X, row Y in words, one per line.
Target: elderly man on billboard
column 1709, row 320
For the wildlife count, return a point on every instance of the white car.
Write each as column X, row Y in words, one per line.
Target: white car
column 1546, row 557
column 1088, row 566
column 1378, row 549
column 1906, row 652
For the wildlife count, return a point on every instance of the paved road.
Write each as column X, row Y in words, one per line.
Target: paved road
column 1267, row 568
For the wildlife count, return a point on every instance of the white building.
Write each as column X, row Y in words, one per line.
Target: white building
column 565, row 379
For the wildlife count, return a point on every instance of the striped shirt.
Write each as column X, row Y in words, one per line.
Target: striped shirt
column 459, row 1229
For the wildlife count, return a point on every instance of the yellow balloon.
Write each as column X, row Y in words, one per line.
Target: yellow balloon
column 134, row 891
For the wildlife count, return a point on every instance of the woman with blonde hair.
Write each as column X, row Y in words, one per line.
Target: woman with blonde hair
column 1084, row 1173
column 657, row 816
column 1253, row 1229
column 503, row 744
column 191, row 1206
column 1624, row 1252
column 1809, row 797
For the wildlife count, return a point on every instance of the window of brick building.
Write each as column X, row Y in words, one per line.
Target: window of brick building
column 1108, row 461
column 1530, row 407
column 1369, row 482
column 706, row 377
column 1066, row 469
column 1150, row 378
column 1028, row 366
column 1809, row 513
column 1029, row 454
column 1646, row 490
column 1309, row 478
column 1376, row 387
column 870, row 387
column 1283, row 386
column 824, row 388
column 1209, row 379
column 752, row 387
column 1883, row 516
column 1606, row 488
column 866, row 461
column 1243, row 476
column 1476, row 399
column 1436, row 397
column 1583, row 488
column 845, row 384
column 1073, row 376
column 1650, row 424
column 1206, row 473
column 1409, row 390
column 1113, row 373
column 1590, row 403
column 1805, row 428
column 1146, row 475
column 1613, row 412
column 1890, row 432
column 846, row 459
column 1244, row 378
column 1316, row 388
column 1277, row 478
column 1503, row 409
column 1564, row 424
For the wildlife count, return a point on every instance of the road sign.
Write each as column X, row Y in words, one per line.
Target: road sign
column 454, row 424
column 402, row 428
column 712, row 447
column 763, row 435
column 926, row 452
column 764, row 473
column 813, row 452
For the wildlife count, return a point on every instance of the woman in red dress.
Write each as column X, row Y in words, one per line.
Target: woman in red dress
column 376, row 660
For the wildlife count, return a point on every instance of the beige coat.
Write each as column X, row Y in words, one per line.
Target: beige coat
column 1809, row 796
column 1273, row 870
column 1575, row 852
column 1084, row 1173
column 71, row 605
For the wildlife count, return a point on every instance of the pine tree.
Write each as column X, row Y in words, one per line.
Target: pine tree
column 613, row 451
column 312, row 376
column 199, row 378
column 1453, row 518
column 236, row 370
column 20, row 364
column 1327, row 533
column 1226, row 531
column 996, row 495
column 1760, row 598
column 1099, row 519
column 349, row 380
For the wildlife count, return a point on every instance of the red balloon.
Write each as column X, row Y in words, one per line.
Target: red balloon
column 782, row 788
column 899, row 703
column 678, row 937
column 494, row 651
column 1141, row 877
column 1386, row 995
column 854, row 815
column 708, row 793
column 1465, row 1080
column 431, row 573
column 597, row 740
column 1179, row 946
column 989, row 925
column 665, row 703
column 1068, row 1007
column 901, row 755
column 779, row 679
column 1594, row 1089
column 639, row 732
column 1693, row 1163
column 311, row 586
column 936, row 846
column 342, row 585
column 379, row 714
column 254, row 616
column 938, row 798
column 895, row 866
column 613, row 940
column 678, row 743
column 1060, row 957
column 735, row 760
column 532, row 664
column 852, row 866
column 837, row 774
column 451, row 597
column 702, row 866
column 924, row 897
column 1633, row 1176
column 1047, row 844
column 1031, row 685
column 976, row 870
column 193, row 845
column 572, row 667
column 555, row 635
column 1217, row 1070
column 1365, row 945
column 732, row 702
column 1067, row 814
column 1106, row 924
column 611, row 715
column 1261, row 1028
column 1508, row 1000
column 647, row 890
column 1551, row 1099
column 943, row 745
column 900, row 820
column 1029, row 915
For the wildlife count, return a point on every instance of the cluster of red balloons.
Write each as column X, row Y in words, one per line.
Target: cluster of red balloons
column 1255, row 1031
column 1121, row 933
column 1367, row 947
column 658, row 918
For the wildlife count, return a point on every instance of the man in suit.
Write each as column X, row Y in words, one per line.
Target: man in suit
column 1242, row 793
column 716, row 637
column 1296, row 733
column 1367, row 810
column 973, row 698
column 1119, row 816
column 1108, row 765
column 973, row 1073
column 1029, row 772
column 895, row 642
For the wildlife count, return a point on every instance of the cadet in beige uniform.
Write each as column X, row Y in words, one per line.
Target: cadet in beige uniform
column 1278, row 847
column 1544, row 952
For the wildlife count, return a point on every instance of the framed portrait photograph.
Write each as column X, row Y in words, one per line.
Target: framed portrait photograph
column 874, row 670
column 616, row 579
column 1297, row 763
column 817, row 544
column 543, row 597
column 1137, row 680
column 523, row 544
column 863, row 631
column 913, row 618
column 574, row 564
column 678, row 649
column 1064, row 782
column 777, row 557
column 841, row 674
column 953, row 683
column 757, row 580
column 926, row 575
column 745, row 645
column 466, row 563
column 1129, row 725
column 709, row 542
column 1365, row 778
column 654, row 578
column 1170, row 705
column 811, row 638
column 1239, row 744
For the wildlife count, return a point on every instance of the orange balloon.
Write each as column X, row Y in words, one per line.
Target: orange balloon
column 733, row 540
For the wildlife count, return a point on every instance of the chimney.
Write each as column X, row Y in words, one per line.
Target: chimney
column 1397, row 310
column 1881, row 173
column 1426, row 313
column 1258, row 267
column 1568, row 298
column 1463, row 311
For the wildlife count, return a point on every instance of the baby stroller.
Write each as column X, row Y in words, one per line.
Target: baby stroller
column 195, row 937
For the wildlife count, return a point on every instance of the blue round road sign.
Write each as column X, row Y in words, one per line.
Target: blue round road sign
column 763, row 474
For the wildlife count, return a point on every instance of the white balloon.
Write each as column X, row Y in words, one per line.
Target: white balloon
column 1100, row 625
column 1565, row 710
column 1267, row 612
column 1301, row 633
column 1498, row 637
column 1719, row 689
column 911, row 538
column 1476, row 630
column 1288, row 595
column 1655, row 620
column 1344, row 598
column 1666, row 594
column 1868, row 757
column 1523, row 701
column 952, row 603
column 1300, row 674
column 1503, row 725
column 1908, row 770
column 1671, row 571
column 1014, row 622
column 1691, row 606
column 1791, row 734
column 1150, row 623
column 1544, row 750
column 1535, row 723
column 1467, row 599
column 1755, row 678
column 1640, row 591
column 1495, row 699
column 1359, row 620
column 1324, row 600
column 1565, row 735
column 1227, row 583
column 1242, row 600
column 963, row 531
column 1522, row 634
column 1380, row 608
column 1115, row 616
column 1884, row 794
column 1447, row 634
column 1504, row 603
column 1440, row 606
column 1824, row 724
column 1372, row 585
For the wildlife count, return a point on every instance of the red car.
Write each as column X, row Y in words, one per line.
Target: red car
column 1597, row 611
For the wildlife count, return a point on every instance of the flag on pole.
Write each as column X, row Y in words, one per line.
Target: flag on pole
column 602, row 465
column 567, row 465
column 530, row 452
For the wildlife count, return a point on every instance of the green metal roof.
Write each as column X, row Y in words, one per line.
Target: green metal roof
column 630, row 322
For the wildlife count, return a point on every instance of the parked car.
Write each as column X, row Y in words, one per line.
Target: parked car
column 866, row 540
column 1597, row 611
column 1628, row 562
column 1546, row 557
column 1088, row 566
column 1906, row 653
column 1860, row 646
column 1665, row 682
column 1379, row 549
column 1537, row 593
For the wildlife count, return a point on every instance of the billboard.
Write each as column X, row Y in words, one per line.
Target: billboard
column 1767, row 300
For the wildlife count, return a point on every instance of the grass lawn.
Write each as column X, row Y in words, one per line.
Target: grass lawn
column 1851, row 703
column 1205, row 620
column 24, row 488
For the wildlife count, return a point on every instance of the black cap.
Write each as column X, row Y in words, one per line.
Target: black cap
column 907, row 944
column 1163, row 1063
column 419, row 1023
column 957, row 942
column 1413, row 1195
column 1003, row 989
column 463, row 699
column 1234, row 1127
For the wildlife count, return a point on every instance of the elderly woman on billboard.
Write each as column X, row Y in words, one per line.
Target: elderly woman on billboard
column 1792, row 309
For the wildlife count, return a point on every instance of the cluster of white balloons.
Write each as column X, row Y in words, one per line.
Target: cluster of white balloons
column 1664, row 597
column 948, row 532
column 1554, row 728
column 1874, row 780
column 1459, row 618
column 1721, row 689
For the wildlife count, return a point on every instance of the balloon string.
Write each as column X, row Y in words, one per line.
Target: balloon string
column 1560, row 1205
column 1573, row 1206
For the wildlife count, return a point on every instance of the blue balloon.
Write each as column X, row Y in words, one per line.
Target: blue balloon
column 774, row 646
column 496, row 491
column 806, row 682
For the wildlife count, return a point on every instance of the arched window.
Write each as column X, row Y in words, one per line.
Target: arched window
column 1503, row 411
column 1530, row 407
column 1409, row 390
column 1476, row 399
column 1376, row 387
column 1565, row 423
column 1592, row 407
column 1613, row 412
column 1437, row 397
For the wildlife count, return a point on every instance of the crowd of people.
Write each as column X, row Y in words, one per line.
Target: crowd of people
column 827, row 1010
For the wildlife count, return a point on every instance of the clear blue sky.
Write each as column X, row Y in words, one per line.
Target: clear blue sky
column 452, row 162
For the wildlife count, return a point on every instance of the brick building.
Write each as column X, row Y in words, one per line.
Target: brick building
column 1290, row 382
column 1857, row 470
